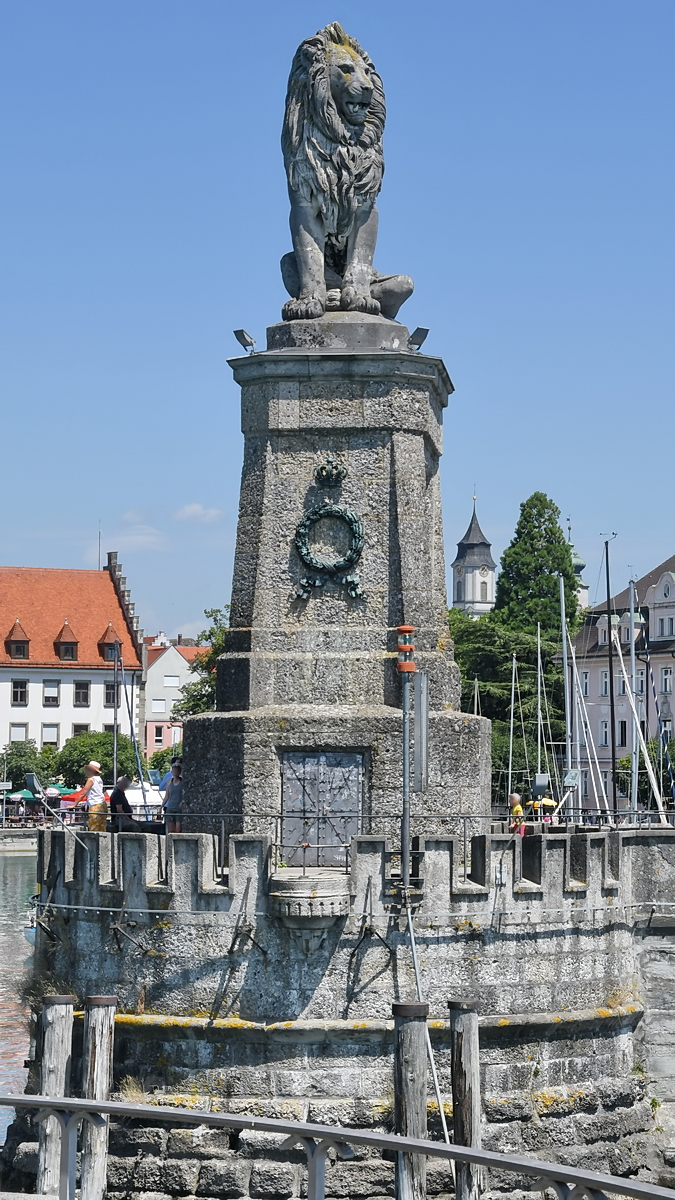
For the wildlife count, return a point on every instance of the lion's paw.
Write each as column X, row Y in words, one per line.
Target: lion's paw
column 355, row 301
column 307, row 308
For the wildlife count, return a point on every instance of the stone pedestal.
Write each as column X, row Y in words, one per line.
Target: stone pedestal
column 340, row 540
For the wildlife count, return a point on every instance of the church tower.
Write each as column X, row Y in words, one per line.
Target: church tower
column 473, row 572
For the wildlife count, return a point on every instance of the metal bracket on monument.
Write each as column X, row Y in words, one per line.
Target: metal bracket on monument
column 321, row 570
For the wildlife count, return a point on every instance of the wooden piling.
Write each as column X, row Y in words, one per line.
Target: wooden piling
column 56, row 1038
column 410, row 1095
column 97, row 1066
column 465, row 1093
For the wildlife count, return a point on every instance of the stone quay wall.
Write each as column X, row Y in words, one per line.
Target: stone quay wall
column 230, row 997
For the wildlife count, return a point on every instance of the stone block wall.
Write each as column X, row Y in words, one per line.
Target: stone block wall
column 223, row 1003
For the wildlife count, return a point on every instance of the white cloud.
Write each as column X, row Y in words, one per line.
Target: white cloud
column 138, row 537
column 197, row 512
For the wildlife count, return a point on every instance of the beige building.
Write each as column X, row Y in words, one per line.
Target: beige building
column 654, row 629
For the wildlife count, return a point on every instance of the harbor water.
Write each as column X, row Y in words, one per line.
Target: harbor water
column 17, row 885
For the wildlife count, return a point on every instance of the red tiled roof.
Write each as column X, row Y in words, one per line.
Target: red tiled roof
column 43, row 598
column 190, row 653
column 622, row 600
column 66, row 634
column 17, row 633
column 154, row 652
column 109, row 636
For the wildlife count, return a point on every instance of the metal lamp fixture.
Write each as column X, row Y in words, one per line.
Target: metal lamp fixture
column 244, row 339
column 406, row 649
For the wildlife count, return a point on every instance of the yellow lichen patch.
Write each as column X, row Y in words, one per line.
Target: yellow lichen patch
column 503, row 1021
column 165, row 1021
column 604, row 1012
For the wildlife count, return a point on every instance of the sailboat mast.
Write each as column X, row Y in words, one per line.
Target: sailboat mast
column 538, row 698
column 610, row 648
column 566, row 677
column 513, row 704
column 634, row 754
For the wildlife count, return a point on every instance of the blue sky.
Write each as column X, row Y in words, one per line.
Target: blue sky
column 528, row 191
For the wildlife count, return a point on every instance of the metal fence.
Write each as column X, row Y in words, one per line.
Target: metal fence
column 568, row 1183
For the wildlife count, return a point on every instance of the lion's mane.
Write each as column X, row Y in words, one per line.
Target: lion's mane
column 327, row 160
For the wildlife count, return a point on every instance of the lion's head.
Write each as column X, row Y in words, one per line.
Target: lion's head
column 333, row 125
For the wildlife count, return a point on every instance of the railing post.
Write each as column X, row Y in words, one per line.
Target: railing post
column 410, row 1095
column 57, row 1035
column 465, row 1093
column 97, row 1064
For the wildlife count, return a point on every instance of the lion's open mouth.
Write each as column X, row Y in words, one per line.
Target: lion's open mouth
column 356, row 108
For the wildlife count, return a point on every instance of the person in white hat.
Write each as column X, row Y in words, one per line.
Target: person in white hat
column 94, row 799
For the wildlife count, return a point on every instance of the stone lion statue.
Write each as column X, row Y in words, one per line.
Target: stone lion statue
column 332, row 146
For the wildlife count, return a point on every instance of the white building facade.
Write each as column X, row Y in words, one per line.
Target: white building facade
column 654, row 636
column 167, row 671
column 56, row 660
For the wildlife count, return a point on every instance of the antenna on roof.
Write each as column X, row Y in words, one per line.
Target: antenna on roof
column 99, row 543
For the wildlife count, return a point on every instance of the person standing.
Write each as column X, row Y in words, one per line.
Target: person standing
column 517, row 815
column 94, row 799
column 173, row 799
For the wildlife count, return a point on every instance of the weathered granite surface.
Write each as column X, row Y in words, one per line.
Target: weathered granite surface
column 559, row 937
column 313, row 665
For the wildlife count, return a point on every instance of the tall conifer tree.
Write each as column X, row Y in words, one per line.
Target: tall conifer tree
column 528, row 588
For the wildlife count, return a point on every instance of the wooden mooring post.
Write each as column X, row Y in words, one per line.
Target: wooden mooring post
column 465, row 1093
column 97, row 1066
column 56, row 1037
column 410, row 1095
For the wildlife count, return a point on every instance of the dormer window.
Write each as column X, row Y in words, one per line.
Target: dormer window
column 66, row 643
column 666, row 591
column 17, row 642
column 109, row 645
column 602, row 635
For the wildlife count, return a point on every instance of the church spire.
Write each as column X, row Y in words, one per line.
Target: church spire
column 474, row 571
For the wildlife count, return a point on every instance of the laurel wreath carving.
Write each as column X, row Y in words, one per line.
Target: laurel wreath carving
column 339, row 570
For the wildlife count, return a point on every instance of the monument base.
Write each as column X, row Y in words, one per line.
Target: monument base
column 345, row 331
column 328, row 773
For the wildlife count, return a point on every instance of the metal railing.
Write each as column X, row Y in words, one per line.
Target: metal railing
column 568, row 1183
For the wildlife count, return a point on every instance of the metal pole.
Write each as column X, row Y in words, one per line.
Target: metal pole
column 115, row 708
column 410, row 1095
column 538, row 699
column 513, row 705
column 634, row 755
column 405, row 820
column 406, row 667
column 465, row 1093
column 610, row 648
column 568, row 715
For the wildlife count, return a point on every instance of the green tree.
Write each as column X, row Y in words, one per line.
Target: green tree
column 48, row 764
column 20, row 758
column 528, row 587
column 200, row 695
column 80, row 750
column 161, row 759
column 658, row 761
column 484, row 650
